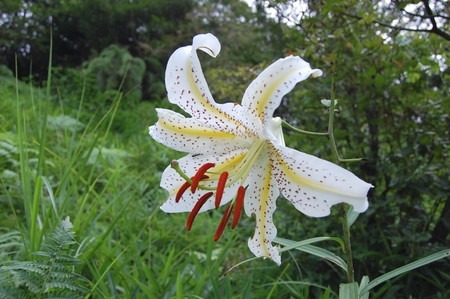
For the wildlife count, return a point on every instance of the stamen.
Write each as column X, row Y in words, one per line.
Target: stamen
column 220, row 187
column 186, row 186
column 223, row 222
column 181, row 191
column 238, row 207
column 199, row 175
column 196, row 209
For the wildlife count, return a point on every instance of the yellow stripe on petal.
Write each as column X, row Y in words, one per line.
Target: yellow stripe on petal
column 263, row 212
column 265, row 93
column 314, row 185
column 260, row 198
column 304, row 181
column 193, row 131
column 301, row 180
column 229, row 164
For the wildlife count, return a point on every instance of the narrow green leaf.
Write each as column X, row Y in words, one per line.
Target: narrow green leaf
column 314, row 250
column 411, row 266
column 289, row 244
column 240, row 263
column 36, row 226
column 351, row 216
column 100, row 278
column 49, row 190
column 348, row 290
column 363, row 284
column 179, row 286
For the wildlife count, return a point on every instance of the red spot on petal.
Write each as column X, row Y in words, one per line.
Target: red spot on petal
column 196, row 209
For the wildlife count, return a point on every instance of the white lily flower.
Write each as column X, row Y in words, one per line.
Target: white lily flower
column 236, row 152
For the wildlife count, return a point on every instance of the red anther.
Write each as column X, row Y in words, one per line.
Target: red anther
column 223, row 222
column 220, row 187
column 196, row 209
column 238, row 207
column 184, row 187
column 199, row 175
column 181, row 191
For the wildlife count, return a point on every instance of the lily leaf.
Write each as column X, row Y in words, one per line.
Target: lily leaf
column 314, row 250
column 351, row 216
column 406, row 268
column 348, row 290
column 363, row 284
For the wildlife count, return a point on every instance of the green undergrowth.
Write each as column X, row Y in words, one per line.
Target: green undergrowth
column 61, row 158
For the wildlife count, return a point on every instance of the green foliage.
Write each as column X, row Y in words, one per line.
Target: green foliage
column 83, row 28
column 82, row 148
column 392, row 112
column 51, row 274
column 229, row 84
column 5, row 71
column 116, row 69
column 10, row 243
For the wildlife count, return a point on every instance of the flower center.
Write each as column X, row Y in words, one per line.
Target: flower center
column 274, row 132
column 215, row 179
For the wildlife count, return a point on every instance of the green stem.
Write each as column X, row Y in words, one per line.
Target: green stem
column 331, row 128
column 344, row 207
column 287, row 125
column 331, row 123
column 347, row 243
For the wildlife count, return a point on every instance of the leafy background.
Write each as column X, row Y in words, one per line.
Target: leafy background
column 79, row 81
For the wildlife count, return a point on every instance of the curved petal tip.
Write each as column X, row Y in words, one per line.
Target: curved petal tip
column 208, row 43
column 316, row 73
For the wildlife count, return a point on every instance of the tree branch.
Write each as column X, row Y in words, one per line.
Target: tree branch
column 430, row 16
column 434, row 29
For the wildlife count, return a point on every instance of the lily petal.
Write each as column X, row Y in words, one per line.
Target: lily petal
column 187, row 87
column 313, row 185
column 172, row 181
column 264, row 94
column 208, row 43
column 260, row 198
column 193, row 136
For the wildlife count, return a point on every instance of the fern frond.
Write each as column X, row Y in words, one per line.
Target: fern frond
column 29, row 280
column 62, row 258
column 10, row 243
column 32, row 267
column 51, row 275
column 12, row 293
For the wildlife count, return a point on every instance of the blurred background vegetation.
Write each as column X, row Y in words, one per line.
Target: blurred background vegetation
column 73, row 139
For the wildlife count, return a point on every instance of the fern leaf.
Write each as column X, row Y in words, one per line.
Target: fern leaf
column 51, row 275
